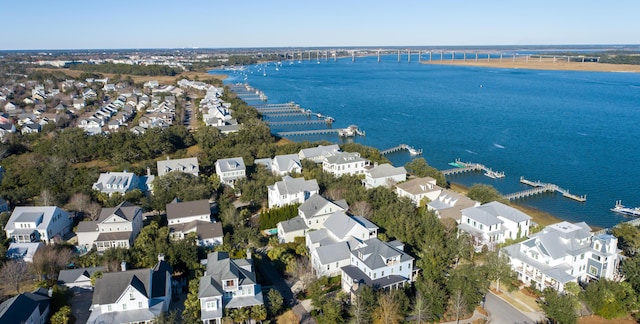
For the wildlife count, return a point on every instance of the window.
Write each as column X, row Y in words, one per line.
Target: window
column 229, row 283
column 139, row 304
column 124, row 306
column 211, row 304
column 582, row 256
column 109, row 308
column 131, row 296
column 593, row 270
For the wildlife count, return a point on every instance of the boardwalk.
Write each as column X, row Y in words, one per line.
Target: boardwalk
column 401, row 147
column 310, row 132
column 298, row 122
column 462, row 167
column 541, row 187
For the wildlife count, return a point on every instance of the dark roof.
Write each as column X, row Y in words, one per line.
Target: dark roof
column 160, row 272
column 221, row 267
column 188, row 208
column 115, row 236
column 71, row 275
column 18, row 308
column 113, row 284
column 125, row 210
column 358, row 276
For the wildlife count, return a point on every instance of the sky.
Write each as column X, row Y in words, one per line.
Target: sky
column 73, row 24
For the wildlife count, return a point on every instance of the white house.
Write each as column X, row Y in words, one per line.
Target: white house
column 186, row 165
column 133, row 296
column 379, row 264
column 493, row 223
column 317, row 154
column 383, row 175
column 80, row 277
column 227, row 283
column 449, row 204
column 194, row 217
column 286, row 164
column 562, row 253
column 344, row 163
column 32, row 308
column 231, row 170
column 116, row 227
column 120, row 182
column 418, row 189
column 291, row 191
column 330, row 247
column 311, row 215
column 23, row 251
column 34, row 224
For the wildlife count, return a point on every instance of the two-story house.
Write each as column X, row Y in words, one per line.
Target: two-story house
column 227, row 283
column 317, row 154
column 35, row 224
column 120, row 182
column 311, row 215
column 31, row 308
column 383, row 175
column 186, row 165
column 116, row 227
column 449, row 204
column 344, row 163
column 231, row 170
column 132, row 296
column 562, row 253
column 291, row 191
column 419, row 190
column 193, row 217
column 493, row 223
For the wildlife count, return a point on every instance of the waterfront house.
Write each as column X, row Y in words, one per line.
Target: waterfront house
column 493, row 223
column 317, row 154
column 449, row 204
column 38, row 224
column 291, row 191
column 227, row 284
column 383, row 175
column 186, row 165
column 32, row 308
column 231, row 170
column 80, row 277
column 132, row 296
column 565, row 252
column 311, row 215
column 421, row 191
column 344, row 163
column 116, row 227
column 193, row 217
column 282, row 164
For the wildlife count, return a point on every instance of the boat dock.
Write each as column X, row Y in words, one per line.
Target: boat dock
column 401, row 147
column 462, row 167
column 541, row 187
column 310, row 132
column 299, row 122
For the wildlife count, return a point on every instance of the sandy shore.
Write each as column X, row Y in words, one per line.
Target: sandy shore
column 544, row 64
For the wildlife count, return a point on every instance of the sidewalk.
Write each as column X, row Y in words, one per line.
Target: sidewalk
column 476, row 316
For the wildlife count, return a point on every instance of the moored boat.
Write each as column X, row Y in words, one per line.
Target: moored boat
column 622, row 209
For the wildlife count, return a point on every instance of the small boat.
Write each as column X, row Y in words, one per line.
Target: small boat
column 414, row 152
column 622, row 209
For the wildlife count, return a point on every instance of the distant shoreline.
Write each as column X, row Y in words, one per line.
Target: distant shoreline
column 535, row 63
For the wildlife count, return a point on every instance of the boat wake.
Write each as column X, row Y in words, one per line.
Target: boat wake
column 498, row 146
column 471, row 152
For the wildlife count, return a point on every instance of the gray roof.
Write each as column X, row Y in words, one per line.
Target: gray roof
column 482, row 216
column 204, row 229
column 499, row 209
column 375, row 253
column 18, row 308
column 333, row 252
column 419, row 185
column 124, row 210
column 113, row 284
column 113, row 236
column 221, row 267
column 27, row 217
column 290, row 185
column 313, row 206
column 32, row 213
column 385, row 170
column 344, row 157
column 72, row 275
column 357, row 275
column 188, row 165
column 231, row 164
column 294, row 224
column 177, row 210
column 287, row 162
column 559, row 272
column 266, row 162
column 340, row 224
column 319, row 151
column 87, row 227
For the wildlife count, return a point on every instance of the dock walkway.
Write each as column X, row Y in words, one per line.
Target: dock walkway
column 475, row 167
column 541, row 187
column 401, row 147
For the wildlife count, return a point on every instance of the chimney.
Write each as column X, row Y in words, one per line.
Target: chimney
column 248, row 253
column 160, row 257
column 123, row 265
column 148, row 171
column 50, row 292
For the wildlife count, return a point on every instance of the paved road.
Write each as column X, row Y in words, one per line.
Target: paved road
column 503, row 313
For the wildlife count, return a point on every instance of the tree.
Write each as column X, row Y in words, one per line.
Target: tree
column 362, row 208
column 191, row 312
column 388, row 310
column 559, row 308
column 434, row 296
column 62, row 316
column 50, row 259
column 421, row 309
column 631, row 271
column 152, row 241
column 275, row 301
column 484, row 194
column 259, row 313
column 167, row 318
column 420, row 168
column 610, row 299
column 628, row 238
column 14, row 272
column 498, row 268
column 458, row 304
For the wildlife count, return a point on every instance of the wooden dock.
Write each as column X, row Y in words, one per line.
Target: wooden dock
column 401, row 147
column 541, row 187
column 298, row 122
column 473, row 167
column 310, row 132
column 286, row 115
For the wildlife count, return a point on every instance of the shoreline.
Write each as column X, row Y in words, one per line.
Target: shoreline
column 544, row 64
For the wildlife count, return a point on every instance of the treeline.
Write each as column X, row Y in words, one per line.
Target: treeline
column 621, row 59
column 120, row 68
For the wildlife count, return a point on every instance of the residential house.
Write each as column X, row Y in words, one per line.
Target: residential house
column 330, row 247
column 231, row 170
column 4, row 205
column 449, row 204
column 23, row 251
column 132, row 296
column 31, row 308
column 194, row 217
column 286, row 164
column 38, row 223
column 10, row 107
column 378, row 264
column 494, row 223
column 116, row 227
column 227, row 284
column 311, row 215
column 317, row 154
column 419, row 190
column 30, row 128
column 80, row 277
column 383, row 175
column 120, row 182
column 291, row 191
column 5, row 129
column 563, row 253
column 186, row 165
column 344, row 163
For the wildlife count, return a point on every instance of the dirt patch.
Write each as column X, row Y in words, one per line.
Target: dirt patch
column 593, row 319
column 288, row 317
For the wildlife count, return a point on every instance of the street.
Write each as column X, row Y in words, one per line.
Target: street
column 503, row 313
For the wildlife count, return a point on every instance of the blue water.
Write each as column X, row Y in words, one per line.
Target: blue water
column 578, row 130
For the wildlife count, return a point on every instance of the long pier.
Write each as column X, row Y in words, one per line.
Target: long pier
column 299, row 122
column 541, row 187
column 400, row 148
column 475, row 167
column 311, row 132
column 275, row 106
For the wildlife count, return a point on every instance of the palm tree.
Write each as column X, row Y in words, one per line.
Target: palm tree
column 259, row 313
